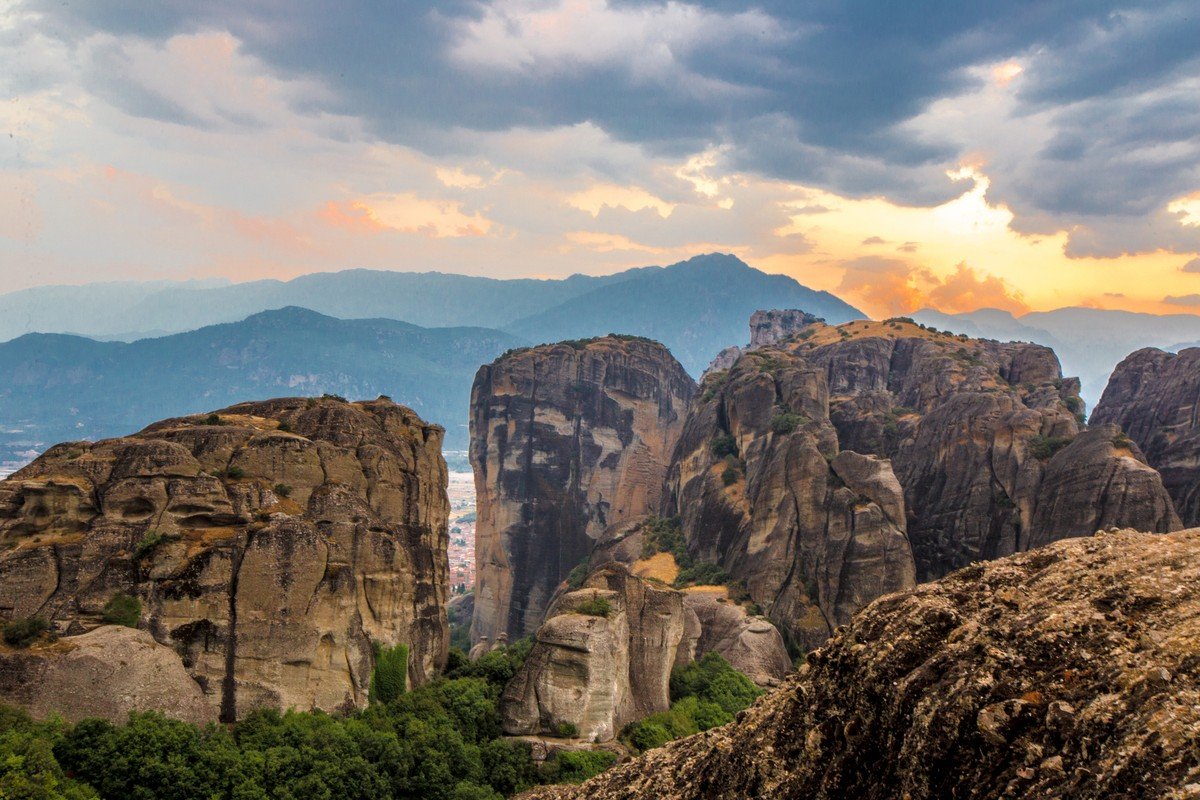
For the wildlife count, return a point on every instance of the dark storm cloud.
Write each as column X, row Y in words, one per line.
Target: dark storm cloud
column 819, row 94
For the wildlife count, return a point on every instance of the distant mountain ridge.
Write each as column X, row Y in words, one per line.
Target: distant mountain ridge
column 59, row 387
column 695, row 307
column 1090, row 342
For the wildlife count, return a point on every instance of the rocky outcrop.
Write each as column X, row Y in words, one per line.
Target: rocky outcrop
column 107, row 672
column 772, row 327
column 751, row 644
column 567, row 441
column 975, row 431
column 764, row 491
column 601, row 660
column 269, row 545
column 1155, row 397
column 1070, row 671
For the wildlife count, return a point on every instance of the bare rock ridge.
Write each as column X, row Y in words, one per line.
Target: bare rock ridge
column 1069, row 671
column 1155, row 397
column 269, row 546
column 763, row 490
column 567, row 441
column 985, row 438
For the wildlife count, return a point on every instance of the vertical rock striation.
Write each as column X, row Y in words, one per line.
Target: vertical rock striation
column 1155, row 397
column 567, row 441
column 764, row 491
column 976, row 431
column 269, row 546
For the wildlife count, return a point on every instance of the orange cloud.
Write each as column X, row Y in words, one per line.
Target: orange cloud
column 406, row 213
column 967, row 290
column 889, row 286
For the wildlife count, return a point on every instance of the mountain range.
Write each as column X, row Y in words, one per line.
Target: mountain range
column 340, row 333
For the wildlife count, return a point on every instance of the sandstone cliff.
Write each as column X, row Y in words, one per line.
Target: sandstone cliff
column 1155, row 397
column 774, row 326
column 763, row 490
column 1070, row 671
column 978, row 436
column 601, row 660
column 269, row 545
column 567, row 441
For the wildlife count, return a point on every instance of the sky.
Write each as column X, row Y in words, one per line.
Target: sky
column 1019, row 155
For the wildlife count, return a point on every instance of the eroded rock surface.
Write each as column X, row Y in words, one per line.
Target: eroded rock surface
column 776, row 325
column 1069, row 671
column 763, row 490
column 1155, row 397
column 976, row 432
column 601, row 660
column 751, row 645
column 269, row 546
column 567, row 441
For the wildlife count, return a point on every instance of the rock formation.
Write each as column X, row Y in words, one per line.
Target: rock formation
column 1155, row 397
column 763, row 490
column 975, row 431
column 567, row 441
column 602, row 659
column 1069, row 671
column 751, row 645
column 269, row 545
column 772, row 327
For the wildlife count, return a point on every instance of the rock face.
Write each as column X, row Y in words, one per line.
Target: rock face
column 763, row 490
column 1070, row 671
column 567, row 441
column 750, row 644
column 269, row 546
column 1155, row 397
column 106, row 672
column 602, row 659
column 772, row 327
column 975, row 431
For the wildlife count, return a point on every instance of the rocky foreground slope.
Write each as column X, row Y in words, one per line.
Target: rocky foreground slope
column 269, row 546
column 1155, row 397
column 1069, row 671
column 567, row 441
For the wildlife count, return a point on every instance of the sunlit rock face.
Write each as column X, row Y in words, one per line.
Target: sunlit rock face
column 269, row 546
column 1155, row 397
column 1067, row 671
column 568, row 441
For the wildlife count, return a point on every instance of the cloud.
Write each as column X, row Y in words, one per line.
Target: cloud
column 1187, row 300
column 889, row 286
column 870, row 240
column 630, row 198
column 1192, row 266
column 407, row 213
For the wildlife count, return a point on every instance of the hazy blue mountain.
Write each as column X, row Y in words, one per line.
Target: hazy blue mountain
column 60, row 387
column 1090, row 342
column 696, row 308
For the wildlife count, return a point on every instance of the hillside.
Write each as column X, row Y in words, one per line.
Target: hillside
column 696, row 307
column 61, row 387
